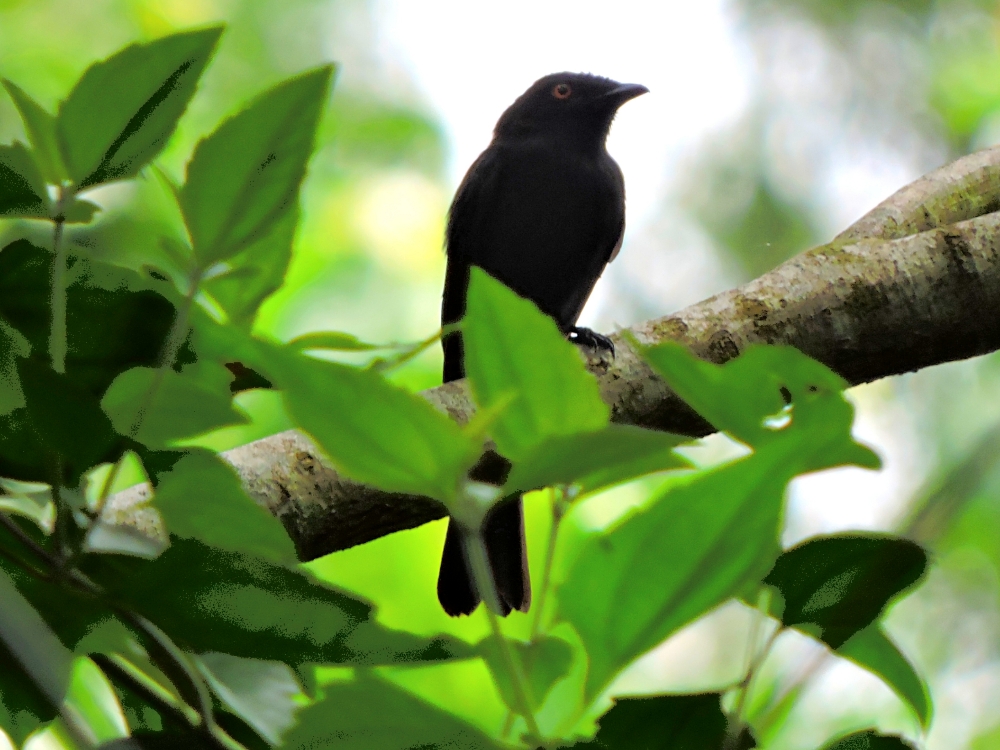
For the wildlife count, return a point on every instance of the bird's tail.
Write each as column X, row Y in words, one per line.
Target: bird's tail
column 503, row 533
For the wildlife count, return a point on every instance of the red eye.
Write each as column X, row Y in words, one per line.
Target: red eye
column 561, row 91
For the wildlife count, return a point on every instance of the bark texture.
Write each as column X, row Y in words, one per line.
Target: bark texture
column 914, row 283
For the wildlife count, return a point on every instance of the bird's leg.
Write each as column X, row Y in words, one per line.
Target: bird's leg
column 591, row 339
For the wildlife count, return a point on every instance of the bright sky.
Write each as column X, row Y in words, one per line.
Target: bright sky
column 471, row 60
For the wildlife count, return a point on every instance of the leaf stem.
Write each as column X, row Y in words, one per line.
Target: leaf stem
column 171, row 347
column 162, row 641
column 411, row 350
column 475, row 551
column 756, row 659
column 57, row 301
column 558, row 511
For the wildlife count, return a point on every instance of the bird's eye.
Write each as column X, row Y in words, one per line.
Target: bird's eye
column 561, row 91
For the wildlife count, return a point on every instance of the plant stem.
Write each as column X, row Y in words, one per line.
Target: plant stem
column 11, row 525
column 162, row 641
column 475, row 551
column 171, row 347
column 558, row 510
column 737, row 719
column 57, row 301
column 411, row 350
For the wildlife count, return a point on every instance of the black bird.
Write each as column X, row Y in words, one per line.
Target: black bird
column 543, row 211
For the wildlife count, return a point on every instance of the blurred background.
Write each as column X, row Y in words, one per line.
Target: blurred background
column 771, row 125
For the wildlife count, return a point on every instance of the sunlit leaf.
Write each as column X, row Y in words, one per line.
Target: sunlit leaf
column 22, row 193
column 372, row 430
column 92, row 697
column 255, row 273
column 746, row 397
column 123, row 110
column 594, row 460
column 246, row 175
column 40, row 126
column 166, row 405
column 872, row 649
column 708, row 535
column 201, row 498
column 543, row 662
column 512, row 348
column 371, row 714
column 699, row 543
column 332, row 340
column 834, row 586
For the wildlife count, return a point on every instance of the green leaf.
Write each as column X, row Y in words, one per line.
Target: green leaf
column 512, row 348
column 92, row 698
column 79, row 622
column 595, row 460
column 80, row 212
column 191, row 402
column 41, row 129
column 67, row 420
column 34, row 666
column 369, row 713
column 746, row 398
column 874, row 650
column 265, row 694
column 12, row 345
column 22, row 453
column 208, row 599
column 202, row 498
column 106, row 538
column 255, row 273
column 333, row 341
column 869, row 740
column 543, row 662
column 246, row 175
column 666, row 722
column 115, row 320
column 22, row 193
column 30, row 500
column 835, row 586
column 123, row 110
column 698, row 543
column 373, row 431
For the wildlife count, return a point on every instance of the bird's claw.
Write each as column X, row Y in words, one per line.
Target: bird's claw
column 591, row 339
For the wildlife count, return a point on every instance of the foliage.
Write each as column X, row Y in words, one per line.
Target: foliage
column 212, row 635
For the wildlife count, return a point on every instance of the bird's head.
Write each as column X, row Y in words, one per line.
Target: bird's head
column 575, row 106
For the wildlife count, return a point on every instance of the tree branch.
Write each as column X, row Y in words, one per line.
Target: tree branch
column 914, row 283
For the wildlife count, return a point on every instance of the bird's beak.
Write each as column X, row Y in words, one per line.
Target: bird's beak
column 625, row 91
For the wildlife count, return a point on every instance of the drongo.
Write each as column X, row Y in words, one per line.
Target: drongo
column 543, row 211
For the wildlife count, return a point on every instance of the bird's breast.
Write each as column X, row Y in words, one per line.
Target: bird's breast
column 544, row 220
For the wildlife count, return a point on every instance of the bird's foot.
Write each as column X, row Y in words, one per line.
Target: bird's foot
column 591, row 339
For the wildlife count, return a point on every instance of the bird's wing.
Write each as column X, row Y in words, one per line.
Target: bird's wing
column 619, row 208
column 465, row 218
column 474, row 197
